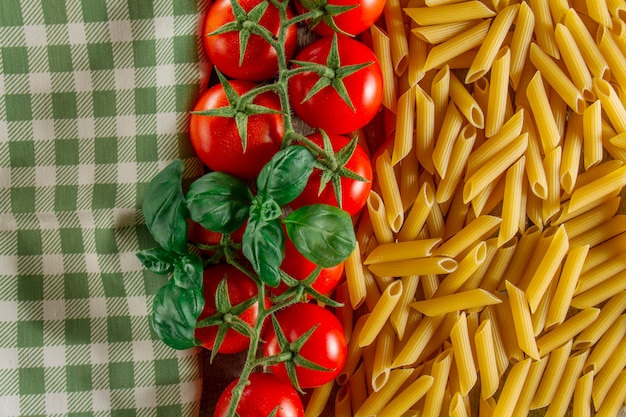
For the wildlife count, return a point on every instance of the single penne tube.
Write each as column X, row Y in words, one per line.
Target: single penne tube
column 380, row 314
column 440, row 370
column 520, row 43
column 524, row 252
column 418, row 214
column 425, row 129
column 456, row 165
column 552, row 376
column 537, row 180
column 611, row 104
column 343, row 402
column 486, row 357
column 394, row 22
column 415, row 344
column 551, row 205
column 500, row 140
column 378, row 217
column 606, row 345
column 399, row 251
column 612, row 53
column 407, row 397
column 496, row 269
column 595, row 190
column 495, row 167
column 457, row 407
column 522, row 320
column 599, row 274
column 560, row 111
column 454, row 302
column 418, row 51
column 566, row 331
column 452, row 124
column 531, row 383
column 481, row 92
column 469, row 236
column 418, row 266
column 449, row 13
column 604, row 252
column 540, row 106
column 512, row 388
column 498, row 91
column 608, row 315
column 400, row 315
column 539, row 317
column 557, row 311
column 573, row 368
column 502, row 359
column 592, row 135
column 377, row 400
column 574, row 61
column 384, row 355
column 354, row 278
column 440, row 95
column 467, row 266
column 390, row 191
column 493, row 42
column 463, row 357
column 591, row 52
column 601, row 292
column 354, row 352
column 557, row 79
column 544, row 27
column 466, row 103
column 609, row 374
column 455, row 46
column 572, row 151
column 558, row 8
column 381, row 46
column 581, row 405
column 405, row 121
column 319, row 397
column 614, row 399
column 599, row 12
column 434, row 34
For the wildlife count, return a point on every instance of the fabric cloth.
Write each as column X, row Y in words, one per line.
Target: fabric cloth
column 94, row 100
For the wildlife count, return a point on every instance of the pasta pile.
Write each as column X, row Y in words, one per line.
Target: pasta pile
column 491, row 260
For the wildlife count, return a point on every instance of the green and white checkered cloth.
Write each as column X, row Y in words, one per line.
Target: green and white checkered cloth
column 94, row 100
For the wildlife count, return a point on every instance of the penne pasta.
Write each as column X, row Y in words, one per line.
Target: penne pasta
column 522, row 320
column 609, row 374
column 381, row 367
column 608, row 315
column 572, row 151
column 450, row 130
column 493, row 42
column 449, row 13
column 418, row 214
column 601, row 292
column 544, row 27
column 354, row 353
column 405, row 121
column 424, row 129
column 394, row 22
column 552, row 375
column 378, row 218
column 611, row 104
column 606, row 345
column 319, row 398
column 534, row 165
column 400, row 315
column 463, row 354
column 402, row 250
column 546, row 126
column 358, row 388
column 390, row 191
column 457, row 45
column 599, row 274
column 573, row 368
column 407, row 397
column 355, row 278
column 418, row 266
column 487, row 364
column 377, row 400
column 531, row 383
column 439, row 371
column 469, row 236
column 592, row 135
column 455, row 302
column 614, row 399
column 466, row 104
column 498, row 91
column 574, row 61
column 520, row 43
column 612, row 53
column 512, row 388
column 467, row 266
column 380, row 314
column 566, row 331
column 608, row 184
column 343, row 402
column 589, row 49
column 381, row 46
column 581, row 406
column 414, row 346
column 457, row 162
column 551, row 165
column 418, row 51
column 434, row 34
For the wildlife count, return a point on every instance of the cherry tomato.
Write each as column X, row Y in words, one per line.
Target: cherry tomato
column 261, row 397
column 326, row 346
column 299, row 267
column 260, row 59
column 354, row 193
column 217, row 142
column 240, row 288
column 326, row 109
column 354, row 21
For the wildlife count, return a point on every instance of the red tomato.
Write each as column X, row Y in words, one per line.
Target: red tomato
column 326, row 109
column 354, row 21
column 260, row 59
column 199, row 234
column 354, row 193
column 299, row 267
column 217, row 142
column 261, row 397
column 325, row 347
column 240, row 288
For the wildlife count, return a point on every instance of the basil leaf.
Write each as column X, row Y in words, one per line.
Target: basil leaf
column 164, row 208
column 323, row 234
column 158, row 260
column 284, row 177
column 219, row 202
column 264, row 247
column 188, row 272
column 175, row 311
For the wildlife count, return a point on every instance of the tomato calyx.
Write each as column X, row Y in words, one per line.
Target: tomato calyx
column 300, row 290
column 240, row 107
column 331, row 74
column 325, row 12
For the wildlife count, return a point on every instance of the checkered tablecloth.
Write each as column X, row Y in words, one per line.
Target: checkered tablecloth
column 94, row 96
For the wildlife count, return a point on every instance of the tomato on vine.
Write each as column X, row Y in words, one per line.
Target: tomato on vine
column 241, row 290
column 343, row 87
column 314, row 340
column 232, row 44
column 235, row 133
column 264, row 394
column 345, row 16
column 345, row 180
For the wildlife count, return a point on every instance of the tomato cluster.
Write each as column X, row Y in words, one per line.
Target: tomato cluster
column 334, row 85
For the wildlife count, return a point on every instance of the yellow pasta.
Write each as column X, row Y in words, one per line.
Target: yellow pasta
column 608, row 315
column 520, row 44
column 540, row 106
column 358, row 388
column 534, row 164
column 467, row 266
column 582, row 395
column 424, row 129
column 343, row 406
column 405, row 121
column 454, row 302
column 463, row 354
column 400, row 315
column 414, row 346
column 595, row 190
column 492, row 43
column 409, row 179
column 614, row 399
column 574, row 61
column 522, row 320
column 455, row 46
column 466, row 103
column 319, row 398
column 457, row 407
column 566, row 331
column 439, row 371
column 573, row 368
column 457, row 162
column 604, row 252
column 418, row 266
column 609, row 374
column 600, row 274
column 591, row 52
column 498, row 265
column 611, row 104
column 613, row 55
column 551, row 165
column 402, row 250
column 377, row 400
column 607, row 344
column 544, row 27
column 442, row 151
column 381, row 367
column 467, row 238
column 512, row 388
column 380, row 313
column 434, row 34
column 601, row 292
column 355, row 279
column 344, row 312
column 382, row 49
column 394, row 21
column 418, row 214
column 531, row 383
column 407, row 397
column 489, row 376
column 449, row 13
column 390, row 191
column 418, row 51
column 572, row 149
column 354, row 353
column 552, row 375
column 498, row 91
